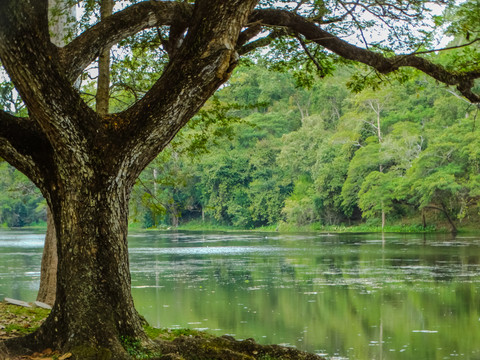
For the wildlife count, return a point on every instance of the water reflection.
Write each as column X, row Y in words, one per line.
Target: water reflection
column 20, row 255
column 353, row 296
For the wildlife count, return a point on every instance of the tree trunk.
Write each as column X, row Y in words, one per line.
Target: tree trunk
column 453, row 228
column 174, row 214
column 103, row 84
column 383, row 218
column 60, row 25
column 94, row 307
column 445, row 211
column 377, row 109
column 48, row 272
column 382, row 205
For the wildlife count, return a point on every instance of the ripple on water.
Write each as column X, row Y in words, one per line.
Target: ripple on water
column 211, row 250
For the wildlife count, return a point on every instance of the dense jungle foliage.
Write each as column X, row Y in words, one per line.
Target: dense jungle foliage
column 272, row 148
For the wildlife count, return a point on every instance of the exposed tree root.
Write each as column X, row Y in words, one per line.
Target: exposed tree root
column 181, row 348
column 227, row 348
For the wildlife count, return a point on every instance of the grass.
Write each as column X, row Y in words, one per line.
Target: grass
column 375, row 228
column 171, row 334
column 17, row 320
column 361, row 228
column 199, row 225
column 206, row 226
column 412, row 227
column 196, row 225
column 135, row 349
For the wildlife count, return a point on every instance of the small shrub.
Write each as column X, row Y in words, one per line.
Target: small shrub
column 135, row 349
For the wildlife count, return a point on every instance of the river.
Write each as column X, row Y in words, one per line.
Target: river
column 349, row 296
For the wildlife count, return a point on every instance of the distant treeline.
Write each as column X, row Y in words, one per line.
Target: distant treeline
column 266, row 151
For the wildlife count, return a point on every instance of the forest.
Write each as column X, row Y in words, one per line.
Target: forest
column 280, row 150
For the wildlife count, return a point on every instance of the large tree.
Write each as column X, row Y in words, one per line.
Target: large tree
column 86, row 162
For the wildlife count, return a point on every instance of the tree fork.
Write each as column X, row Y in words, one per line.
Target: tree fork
column 92, row 163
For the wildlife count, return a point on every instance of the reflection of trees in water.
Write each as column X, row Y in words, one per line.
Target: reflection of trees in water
column 19, row 273
column 338, row 300
column 285, row 295
column 231, row 273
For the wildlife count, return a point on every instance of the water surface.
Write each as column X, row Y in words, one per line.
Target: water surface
column 355, row 296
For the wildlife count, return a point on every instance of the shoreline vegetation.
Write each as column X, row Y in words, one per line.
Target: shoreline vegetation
column 410, row 226
column 170, row 344
column 198, row 225
column 316, row 227
column 266, row 154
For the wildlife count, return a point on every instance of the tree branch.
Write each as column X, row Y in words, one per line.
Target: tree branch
column 204, row 61
column 248, row 34
column 445, row 48
column 83, row 50
column 262, row 42
column 350, row 13
column 24, row 146
column 309, row 54
column 463, row 81
column 31, row 63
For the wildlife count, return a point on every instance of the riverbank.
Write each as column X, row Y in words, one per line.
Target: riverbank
column 433, row 222
column 316, row 227
column 178, row 344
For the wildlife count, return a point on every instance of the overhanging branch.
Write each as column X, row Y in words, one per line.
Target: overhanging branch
column 309, row 54
column 463, row 81
column 83, row 50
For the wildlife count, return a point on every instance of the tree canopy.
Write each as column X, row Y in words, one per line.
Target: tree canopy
column 312, row 157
